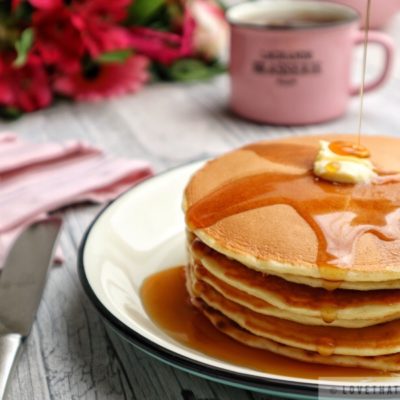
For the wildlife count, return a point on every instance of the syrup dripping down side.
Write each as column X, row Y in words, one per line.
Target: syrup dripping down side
column 168, row 304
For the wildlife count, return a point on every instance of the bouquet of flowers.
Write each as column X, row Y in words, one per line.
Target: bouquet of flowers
column 94, row 49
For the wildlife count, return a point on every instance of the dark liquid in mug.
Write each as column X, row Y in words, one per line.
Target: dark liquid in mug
column 292, row 21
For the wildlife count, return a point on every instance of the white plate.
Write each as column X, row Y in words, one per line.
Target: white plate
column 139, row 234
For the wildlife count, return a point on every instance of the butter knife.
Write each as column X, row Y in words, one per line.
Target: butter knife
column 22, row 281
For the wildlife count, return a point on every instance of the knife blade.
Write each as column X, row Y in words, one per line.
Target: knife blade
column 22, row 281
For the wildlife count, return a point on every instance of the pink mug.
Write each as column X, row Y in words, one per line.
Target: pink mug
column 291, row 60
column 381, row 10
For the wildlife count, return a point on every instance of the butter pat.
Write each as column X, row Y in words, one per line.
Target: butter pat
column 342, row 168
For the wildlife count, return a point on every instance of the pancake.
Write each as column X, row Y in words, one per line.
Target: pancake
column 322, row 283
column 376, row 340
column 347, row 308
column 284, row 261
column 261, row 206
column 225, row 325
column 263, row 307
column 235, row 331
column 389, row 362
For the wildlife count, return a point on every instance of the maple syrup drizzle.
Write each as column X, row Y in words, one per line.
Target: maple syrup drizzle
column 326, row 346
column 329, row 308
column 329, row 313
column 349, row 149
column 168, row 304
column 338, row 214
column 364, row 69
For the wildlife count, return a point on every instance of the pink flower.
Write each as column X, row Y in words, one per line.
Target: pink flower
column 46, row 4
column 64, row 33
column 109, row 11
column 164, row 47
column 26, row 88
column 104, row 80
column 57, row 40
column 98, row 22
column 98, row 36
column 211, row 34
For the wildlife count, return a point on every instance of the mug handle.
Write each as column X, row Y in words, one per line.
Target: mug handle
column 388, row 45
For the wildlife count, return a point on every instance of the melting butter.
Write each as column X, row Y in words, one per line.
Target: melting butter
column 342, row 168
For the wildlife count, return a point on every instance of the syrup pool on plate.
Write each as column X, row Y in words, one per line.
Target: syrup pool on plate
column 167, row 303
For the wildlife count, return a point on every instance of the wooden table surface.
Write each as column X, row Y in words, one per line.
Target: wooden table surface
column 69, row 354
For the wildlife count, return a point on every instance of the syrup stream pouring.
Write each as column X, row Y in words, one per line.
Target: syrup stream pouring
column 364, row 69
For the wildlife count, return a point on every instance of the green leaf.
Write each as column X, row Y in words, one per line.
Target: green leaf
column 222, row 5
column 22, row 13
column 10, row 113
column 23, row 45
column 142, row 11
column 187, row 70
column 117, row 56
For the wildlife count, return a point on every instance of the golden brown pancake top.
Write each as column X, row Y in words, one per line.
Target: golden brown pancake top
column 263, row 202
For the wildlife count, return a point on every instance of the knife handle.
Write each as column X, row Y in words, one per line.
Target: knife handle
column 9, row 349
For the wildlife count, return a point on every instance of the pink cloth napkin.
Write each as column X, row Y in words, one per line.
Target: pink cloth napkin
column 38, row 178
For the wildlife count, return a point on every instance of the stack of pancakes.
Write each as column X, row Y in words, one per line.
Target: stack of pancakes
column 282, row 261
